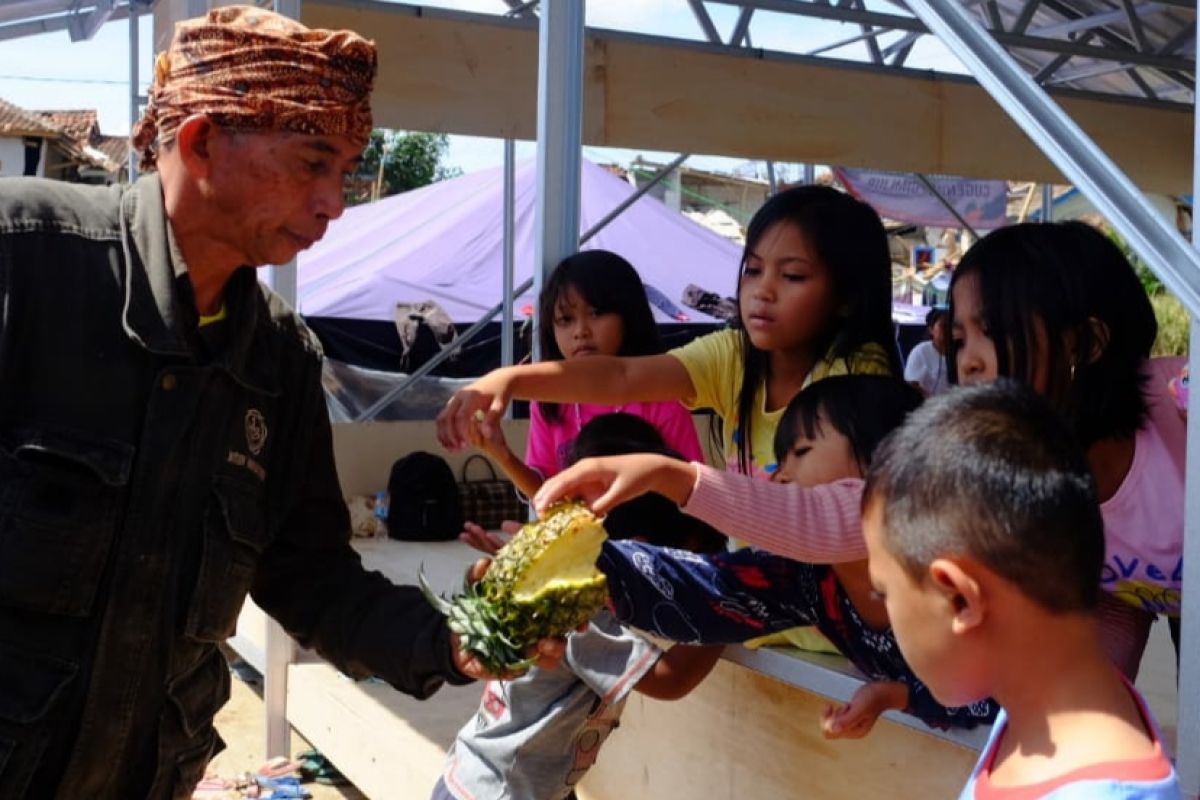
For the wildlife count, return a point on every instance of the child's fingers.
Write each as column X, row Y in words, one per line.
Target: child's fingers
column 510, row 526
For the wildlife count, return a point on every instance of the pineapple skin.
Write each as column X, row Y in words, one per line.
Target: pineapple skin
column 552, row 612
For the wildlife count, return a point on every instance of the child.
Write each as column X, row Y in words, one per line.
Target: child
column 1076, row 325
column 814, row 298
column 828, row 433
column 986, row 543
column 593, row 304
column 536, row 736
column 926, row 365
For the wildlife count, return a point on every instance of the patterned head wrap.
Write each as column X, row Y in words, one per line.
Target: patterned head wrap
column 253, row 70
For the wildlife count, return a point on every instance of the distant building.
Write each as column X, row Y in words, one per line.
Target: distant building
column 63, row 145
column 697, row 190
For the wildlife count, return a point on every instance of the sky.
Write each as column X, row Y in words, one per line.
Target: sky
column 51, row 72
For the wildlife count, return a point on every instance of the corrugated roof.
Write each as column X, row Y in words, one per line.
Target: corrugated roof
column 81, row 125
column 16, row 121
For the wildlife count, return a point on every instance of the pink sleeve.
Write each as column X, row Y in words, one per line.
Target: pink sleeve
column 678, row 430
column 820, row 525
column 540, row 451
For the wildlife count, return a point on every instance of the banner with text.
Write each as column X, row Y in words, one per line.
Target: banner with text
column 900, row 196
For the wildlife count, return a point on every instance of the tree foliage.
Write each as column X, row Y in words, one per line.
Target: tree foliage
column 396, row 161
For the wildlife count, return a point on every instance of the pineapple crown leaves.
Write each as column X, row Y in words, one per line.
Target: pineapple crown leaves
column 474, row 619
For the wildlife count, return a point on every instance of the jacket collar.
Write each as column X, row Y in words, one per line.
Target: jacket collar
column 159, row 308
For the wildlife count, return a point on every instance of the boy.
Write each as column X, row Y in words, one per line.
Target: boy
column 986, row 542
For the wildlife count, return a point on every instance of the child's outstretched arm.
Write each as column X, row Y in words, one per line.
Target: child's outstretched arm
column 820, row 524
column 680, row 670
column 708, row 599
column 856, row 719
column 607, row 380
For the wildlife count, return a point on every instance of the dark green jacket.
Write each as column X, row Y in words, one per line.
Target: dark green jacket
column 151, row 474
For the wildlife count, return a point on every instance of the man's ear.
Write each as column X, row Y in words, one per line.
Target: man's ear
column 194, row 140
column 961, row 591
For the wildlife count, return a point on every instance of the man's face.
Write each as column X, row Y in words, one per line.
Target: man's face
column 275, row 193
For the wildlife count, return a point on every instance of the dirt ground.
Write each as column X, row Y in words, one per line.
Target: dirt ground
column 242, row 724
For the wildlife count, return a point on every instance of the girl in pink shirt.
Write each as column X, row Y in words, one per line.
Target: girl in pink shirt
column 592, row 304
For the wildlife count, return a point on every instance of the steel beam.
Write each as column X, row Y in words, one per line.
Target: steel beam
column 706, row 23
column 560, row 139
column 1068, row 147
column 82, row 26
column 1024, row 41
column 1026, row 16
column 741, row 28
column 506, row 319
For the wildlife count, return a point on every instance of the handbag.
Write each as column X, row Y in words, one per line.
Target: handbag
column 489, row 501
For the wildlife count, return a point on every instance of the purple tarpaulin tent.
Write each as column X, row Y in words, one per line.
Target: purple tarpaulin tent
column 444, row 242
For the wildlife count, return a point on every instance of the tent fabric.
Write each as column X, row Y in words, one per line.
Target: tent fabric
column 445, row 243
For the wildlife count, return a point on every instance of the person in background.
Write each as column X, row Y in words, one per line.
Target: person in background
column 926, row 366
column 164, row 442
column 534, row 737
column 986, row 543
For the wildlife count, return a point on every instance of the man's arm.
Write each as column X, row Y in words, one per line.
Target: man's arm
column 314, row 583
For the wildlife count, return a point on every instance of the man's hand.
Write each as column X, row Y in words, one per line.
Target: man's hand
column 549, row 652
column 605, row 483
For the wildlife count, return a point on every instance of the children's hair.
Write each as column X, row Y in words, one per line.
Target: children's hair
column 863, row 408
column 650, row 516
column 935, row 313
column 992, row 473
column 610, row 285
column 848, row 237
column 1047, row 281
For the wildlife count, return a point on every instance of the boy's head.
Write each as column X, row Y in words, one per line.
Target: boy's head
column 831, row 428
column 982, row 488
column 651, row 517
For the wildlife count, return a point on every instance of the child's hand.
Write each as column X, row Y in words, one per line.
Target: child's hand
column 485, row 541
column 479, row 405
column 490, row 439
column 605, row 483
column 856, row 719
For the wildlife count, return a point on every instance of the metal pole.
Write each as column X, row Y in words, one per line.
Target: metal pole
column 810, row 174
column 559, row 133
column 770, row 177
column 429, row 366
column 933, row 190
column 633, row 198
column 135, row 110
column 506, row 327
column 281, row 650
column 1047, row 202
column 1187, row 739
column 1068, row 147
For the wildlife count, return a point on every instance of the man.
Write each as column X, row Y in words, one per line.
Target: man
column 926, row 366
column 164, row 444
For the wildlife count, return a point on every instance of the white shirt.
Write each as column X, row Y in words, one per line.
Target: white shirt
column 926, row 367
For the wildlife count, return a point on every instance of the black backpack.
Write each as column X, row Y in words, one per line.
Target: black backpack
column 423, row 503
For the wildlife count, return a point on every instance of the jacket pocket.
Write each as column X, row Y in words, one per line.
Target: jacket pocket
column 235, row 535
column 61, row 502
column 30, row 686
column 187, row 738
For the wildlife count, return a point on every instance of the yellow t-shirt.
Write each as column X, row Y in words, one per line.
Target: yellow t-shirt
column 715, row 365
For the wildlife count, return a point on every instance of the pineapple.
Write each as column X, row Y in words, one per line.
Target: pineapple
column 544, row 582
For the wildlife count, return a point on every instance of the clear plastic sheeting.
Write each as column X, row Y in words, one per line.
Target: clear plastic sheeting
column 350, row 390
